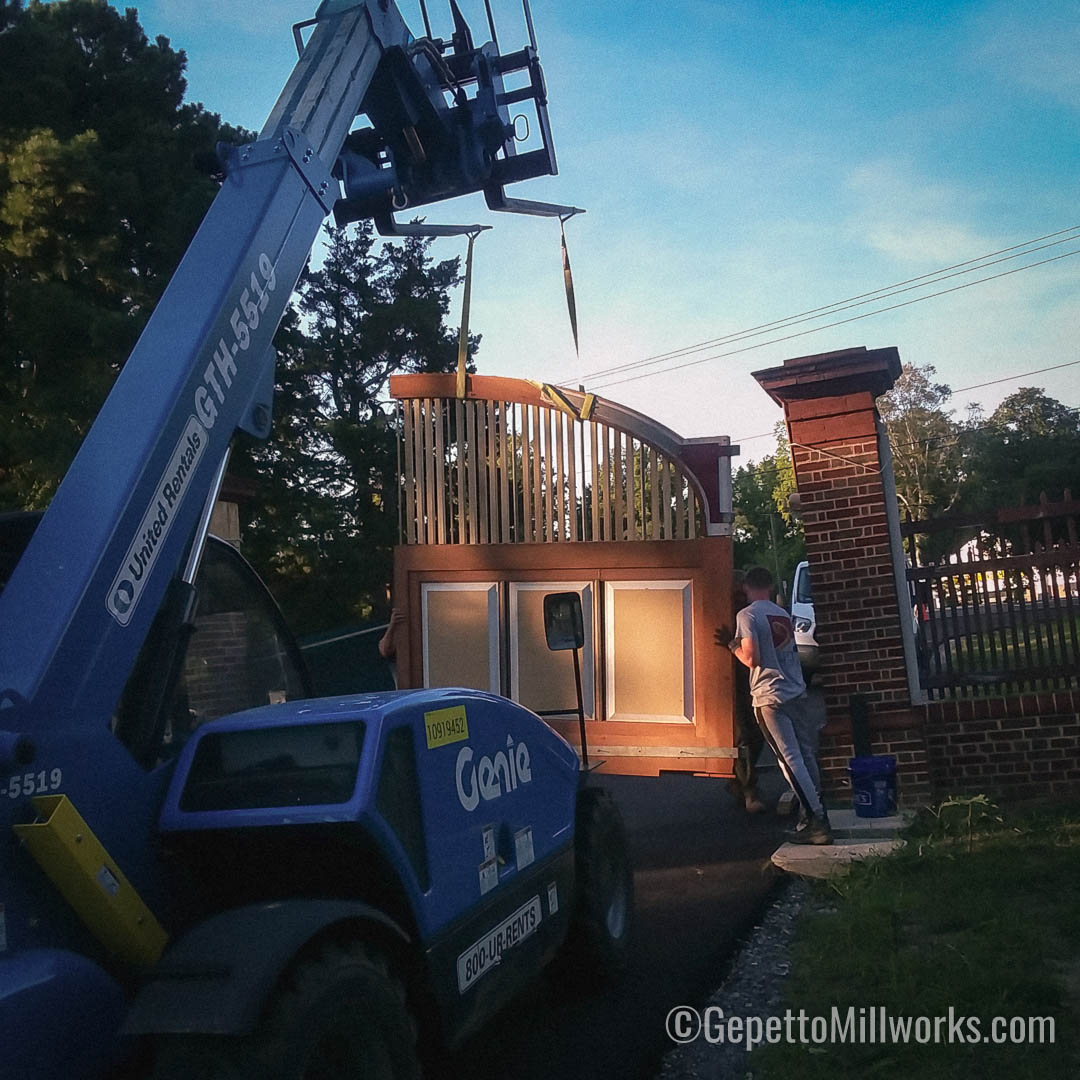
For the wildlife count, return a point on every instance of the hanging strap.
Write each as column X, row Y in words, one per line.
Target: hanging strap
column 568, row 279
column 557, row 397
column 463, row 333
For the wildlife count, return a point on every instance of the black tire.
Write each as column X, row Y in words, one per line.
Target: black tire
column 339, row 1015
column 599, row 937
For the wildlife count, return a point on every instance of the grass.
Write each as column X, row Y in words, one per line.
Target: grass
column 976, row 912
column 1050, row 642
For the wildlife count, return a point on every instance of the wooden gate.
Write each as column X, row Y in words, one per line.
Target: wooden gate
column 520, row 489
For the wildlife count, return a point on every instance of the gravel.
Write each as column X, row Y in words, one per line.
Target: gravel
column 753, row 987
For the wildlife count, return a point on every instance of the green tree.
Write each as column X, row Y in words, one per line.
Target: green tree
column 99, row 197
column 925, row 442
column 766, row 533
column 1029, row 444
column 785, row 478
column 325, row 522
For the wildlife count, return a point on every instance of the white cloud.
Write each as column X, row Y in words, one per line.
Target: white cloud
column 901, row 214
column 1036, row 46
column 924, row 243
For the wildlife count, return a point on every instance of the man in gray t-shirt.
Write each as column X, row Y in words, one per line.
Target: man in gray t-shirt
column 764, row 641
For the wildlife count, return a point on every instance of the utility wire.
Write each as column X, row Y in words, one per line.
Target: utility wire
column 851, row 301
column 838, row 322
column 953, row 393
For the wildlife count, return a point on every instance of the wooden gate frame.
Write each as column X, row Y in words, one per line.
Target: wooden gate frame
column 703, row 556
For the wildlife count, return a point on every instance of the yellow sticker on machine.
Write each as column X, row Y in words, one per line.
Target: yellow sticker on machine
column 445, row 726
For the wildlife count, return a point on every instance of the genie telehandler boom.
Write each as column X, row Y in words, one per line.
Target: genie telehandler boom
column 311, row 887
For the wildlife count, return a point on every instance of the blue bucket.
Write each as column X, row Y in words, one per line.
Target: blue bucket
column 873, row 784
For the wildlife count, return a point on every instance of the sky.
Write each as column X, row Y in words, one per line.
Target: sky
column 741, row 163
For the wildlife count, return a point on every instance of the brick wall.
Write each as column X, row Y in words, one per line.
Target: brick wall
column 1021, row 747
column 217, row 670
column 847, row 542
column 1018, row 747
column 901, row 733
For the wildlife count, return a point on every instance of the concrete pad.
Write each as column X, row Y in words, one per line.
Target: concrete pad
column 806, row 860
column 847, row 824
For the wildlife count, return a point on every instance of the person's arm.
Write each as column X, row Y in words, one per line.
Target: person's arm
column 388, row 642
column 745, row 650
column 743, row 644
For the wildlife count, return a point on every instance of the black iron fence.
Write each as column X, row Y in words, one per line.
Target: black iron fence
column 998, row 610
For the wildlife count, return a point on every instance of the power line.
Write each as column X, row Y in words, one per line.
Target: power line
column 887, row 290
column 953, row 393
column 838, row 322
column 1011, row 378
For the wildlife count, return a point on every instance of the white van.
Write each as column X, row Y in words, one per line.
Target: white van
column 802, row 615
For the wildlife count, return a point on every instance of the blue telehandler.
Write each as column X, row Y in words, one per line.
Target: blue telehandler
column 205, row 871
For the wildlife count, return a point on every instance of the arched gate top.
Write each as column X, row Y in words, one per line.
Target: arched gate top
column 621, row 474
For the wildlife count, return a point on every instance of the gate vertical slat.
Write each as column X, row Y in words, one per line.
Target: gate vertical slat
column 560, row 475
column 618, row 526
column 438, row 417
column 491, row 424
column 665, row 492
column 472, row 461
column 527, row 529
column 459, row 434
column 419, row 472
column 654, row 491
column 594, row 465
column 539, row 495
column 399, row 490
column 506, row 485
column 543, row 447
column 680, row 504
column 409, row 501
column 483, row 474
column 605, row 480
column 571, row 472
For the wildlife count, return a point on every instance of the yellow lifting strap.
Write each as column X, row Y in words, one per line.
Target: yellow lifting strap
column 463, row 333
column 568, row 279
column 557, row 397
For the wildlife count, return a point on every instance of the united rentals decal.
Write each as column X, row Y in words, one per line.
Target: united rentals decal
column 138, row 563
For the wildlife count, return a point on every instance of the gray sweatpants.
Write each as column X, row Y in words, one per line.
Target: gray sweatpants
column 792, row 732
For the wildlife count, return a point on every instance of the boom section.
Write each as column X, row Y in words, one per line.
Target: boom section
column 82, row 598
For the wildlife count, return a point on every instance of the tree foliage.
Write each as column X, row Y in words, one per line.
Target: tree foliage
column 324, row 524
column 766, row 533
column 925, row 442
column 1029, row 444
column 99, row 198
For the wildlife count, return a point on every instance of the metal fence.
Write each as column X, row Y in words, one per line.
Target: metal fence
column 998, row 611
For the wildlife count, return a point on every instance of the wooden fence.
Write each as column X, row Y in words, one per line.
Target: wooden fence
column 1000, row 613
column 503, row 472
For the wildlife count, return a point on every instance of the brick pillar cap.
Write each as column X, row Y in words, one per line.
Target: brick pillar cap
column 832, row 374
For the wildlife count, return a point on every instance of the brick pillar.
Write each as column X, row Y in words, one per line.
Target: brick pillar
column 832, row 422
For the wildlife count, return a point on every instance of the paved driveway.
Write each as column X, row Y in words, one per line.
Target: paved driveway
column 702, row 873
